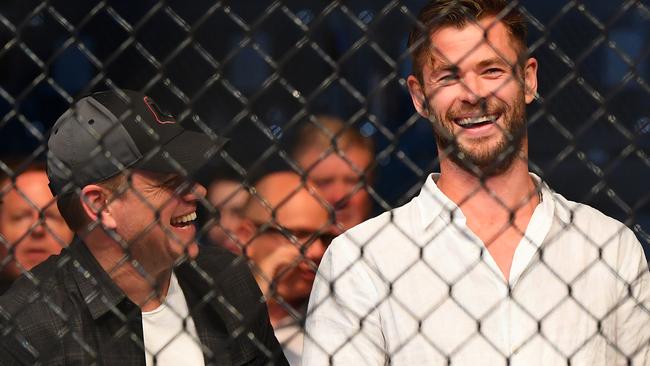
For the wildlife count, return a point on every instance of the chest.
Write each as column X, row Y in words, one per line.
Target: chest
column 501, row 237
column 118, row 340
column 445, row 311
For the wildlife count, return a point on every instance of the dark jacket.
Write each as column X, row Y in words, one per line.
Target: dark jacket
column 68, row 311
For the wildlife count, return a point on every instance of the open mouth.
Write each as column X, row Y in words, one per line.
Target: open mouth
column 475, row 122
column 183, row 220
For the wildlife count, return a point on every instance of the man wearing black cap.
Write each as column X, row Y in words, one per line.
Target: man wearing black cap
column 133, row 288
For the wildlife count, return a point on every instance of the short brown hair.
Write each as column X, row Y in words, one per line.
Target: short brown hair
column 326, row 131
column 442, row 13
column 72, row 210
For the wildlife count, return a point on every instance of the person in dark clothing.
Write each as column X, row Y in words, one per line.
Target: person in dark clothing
column 134, row 287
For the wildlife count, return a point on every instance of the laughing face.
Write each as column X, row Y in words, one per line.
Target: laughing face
column 474, row 90
column 155, row 216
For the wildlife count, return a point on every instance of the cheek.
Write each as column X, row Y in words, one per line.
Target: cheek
column 440, row 102
column 507, row 91
column 360, row 198
column 260, row 248
column 15, row 230
column 60, row 230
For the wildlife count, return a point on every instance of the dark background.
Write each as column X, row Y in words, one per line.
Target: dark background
column 254, row 70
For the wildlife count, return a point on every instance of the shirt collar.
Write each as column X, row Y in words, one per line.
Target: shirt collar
column 97, row 289
column 432, row 204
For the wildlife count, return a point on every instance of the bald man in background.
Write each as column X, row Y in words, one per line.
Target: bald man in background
column 31, row 227
column 284, row 232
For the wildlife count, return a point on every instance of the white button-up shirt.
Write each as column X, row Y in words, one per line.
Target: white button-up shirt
column 415, row 286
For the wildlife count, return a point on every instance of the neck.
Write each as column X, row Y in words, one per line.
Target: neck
column 278, row 311
column 511, row 191
column 143, row 286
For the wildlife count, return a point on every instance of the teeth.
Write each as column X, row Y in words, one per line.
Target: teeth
column 474, row 120
column 183, row 219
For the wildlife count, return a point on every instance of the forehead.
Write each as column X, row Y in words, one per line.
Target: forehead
column 302, row 210
column 33, row 185
column 227, row 192
column 474, row 41
column 299, row 209
column 333, row 164
column 152, row 178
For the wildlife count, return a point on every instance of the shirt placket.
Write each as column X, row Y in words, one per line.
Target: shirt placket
column 498, row 284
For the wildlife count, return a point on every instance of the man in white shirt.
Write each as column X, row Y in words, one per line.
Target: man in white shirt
column 487, row 265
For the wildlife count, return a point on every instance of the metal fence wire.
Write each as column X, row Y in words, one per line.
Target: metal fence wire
column 261, row 73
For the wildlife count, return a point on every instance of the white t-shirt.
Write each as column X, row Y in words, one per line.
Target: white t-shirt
column 290, row 334
column 164, row 334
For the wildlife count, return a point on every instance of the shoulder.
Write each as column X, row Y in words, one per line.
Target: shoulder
column 397, row 224
column 28, row 311
column 617, row 243
column 24, row 294
column 400, row 218
column 586, row 219
column 376, row 240
column 220, row 262
column 230, row 273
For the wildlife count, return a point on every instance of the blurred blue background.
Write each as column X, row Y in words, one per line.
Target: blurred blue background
column 254, row 70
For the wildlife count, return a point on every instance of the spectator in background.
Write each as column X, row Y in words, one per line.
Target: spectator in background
column 228, row 196
column 285, row 233
column 31, row 227
column 337, row 159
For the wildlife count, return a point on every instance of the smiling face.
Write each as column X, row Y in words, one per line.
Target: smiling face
column 157, row 242
column 33, row 240
column 474, row 90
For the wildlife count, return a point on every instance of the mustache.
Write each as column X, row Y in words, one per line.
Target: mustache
column 486, row 107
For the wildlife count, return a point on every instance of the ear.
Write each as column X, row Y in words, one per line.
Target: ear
column 94, row 202
column 530, row 80
column 417, row 95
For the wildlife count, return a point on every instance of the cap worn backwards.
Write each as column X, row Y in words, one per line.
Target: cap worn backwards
column 106, row 132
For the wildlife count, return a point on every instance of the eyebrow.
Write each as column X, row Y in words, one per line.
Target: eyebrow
column 440, row 66
column 494, row 61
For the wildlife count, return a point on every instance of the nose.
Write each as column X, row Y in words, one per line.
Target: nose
column 315, row 251
column 195, row 192
column 337, row 195
column 38, row 224
column 472, row 92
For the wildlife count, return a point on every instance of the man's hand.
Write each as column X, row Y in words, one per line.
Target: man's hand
column 274, row 265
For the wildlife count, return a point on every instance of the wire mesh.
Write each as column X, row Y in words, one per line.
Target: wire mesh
column 388, row 292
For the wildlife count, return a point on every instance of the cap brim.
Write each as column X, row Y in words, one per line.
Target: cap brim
column 185, row 154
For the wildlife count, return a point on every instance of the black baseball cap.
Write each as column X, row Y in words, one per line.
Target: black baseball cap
column 106, row 132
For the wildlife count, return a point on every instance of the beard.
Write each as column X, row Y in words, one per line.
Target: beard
column 484, row 160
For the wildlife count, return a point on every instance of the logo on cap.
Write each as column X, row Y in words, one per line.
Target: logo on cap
column 160, row 116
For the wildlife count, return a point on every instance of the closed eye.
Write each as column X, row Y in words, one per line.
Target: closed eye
column 447, row 78
column 493, row 72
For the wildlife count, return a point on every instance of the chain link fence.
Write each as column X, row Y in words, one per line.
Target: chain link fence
column 259, row 72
